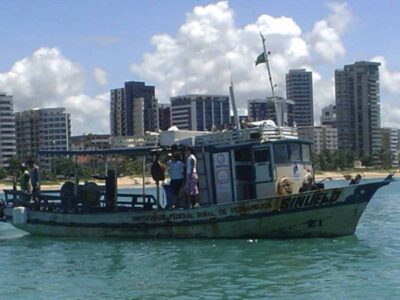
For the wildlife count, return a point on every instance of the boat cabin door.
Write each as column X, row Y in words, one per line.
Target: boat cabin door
column 264, row 181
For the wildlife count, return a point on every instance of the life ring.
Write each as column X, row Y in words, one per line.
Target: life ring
column 285, row 186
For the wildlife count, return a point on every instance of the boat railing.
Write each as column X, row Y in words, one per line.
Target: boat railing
column 137, row 201
column 257, row 134
column 52, row 200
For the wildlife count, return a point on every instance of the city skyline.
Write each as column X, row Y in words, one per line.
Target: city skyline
column 64, row 54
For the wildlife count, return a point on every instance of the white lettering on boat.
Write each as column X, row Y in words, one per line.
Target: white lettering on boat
column 318, row 198
column 315, row 199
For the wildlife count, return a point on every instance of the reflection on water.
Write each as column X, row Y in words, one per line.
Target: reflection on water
column 362, row 265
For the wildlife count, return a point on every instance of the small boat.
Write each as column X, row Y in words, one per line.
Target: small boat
column 253, row 183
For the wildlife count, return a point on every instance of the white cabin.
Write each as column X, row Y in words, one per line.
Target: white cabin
column 250, row 163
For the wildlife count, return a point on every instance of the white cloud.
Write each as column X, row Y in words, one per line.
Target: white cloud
column 324, row 94
column 341, row 16
column 326, row 42
column 199, row 57
column 100, row 76
column 389, row 80
column 48, row 79
column 325, row 38
column 390, row 93
column 269, row 25
column 89, row 114
column 42, row 79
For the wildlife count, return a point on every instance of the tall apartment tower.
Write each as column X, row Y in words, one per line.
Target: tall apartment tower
column 117, row 112
column 7, row 130
column 358, row 108
column 390, row 140
column 42, row 129
column 164, row 116
column 299, row 88
column 200, row 112
column 133, row 110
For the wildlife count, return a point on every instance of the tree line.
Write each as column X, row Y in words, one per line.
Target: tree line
column 64, row 168
column 344, row 159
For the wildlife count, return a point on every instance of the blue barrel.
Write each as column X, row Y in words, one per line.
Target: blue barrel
column 169, row 195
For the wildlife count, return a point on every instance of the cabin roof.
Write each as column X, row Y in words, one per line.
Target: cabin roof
column 127, row 151
column 251, row 144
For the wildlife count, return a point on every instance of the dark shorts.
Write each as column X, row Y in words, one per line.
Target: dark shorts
column 176, row 185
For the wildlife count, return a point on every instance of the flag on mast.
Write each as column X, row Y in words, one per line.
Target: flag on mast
column 260, row 59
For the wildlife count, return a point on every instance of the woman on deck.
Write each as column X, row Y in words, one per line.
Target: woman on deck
column 192, row 189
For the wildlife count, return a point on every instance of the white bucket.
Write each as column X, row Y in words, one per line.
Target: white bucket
column 20, row 215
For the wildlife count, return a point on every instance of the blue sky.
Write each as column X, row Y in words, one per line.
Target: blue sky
column 71, row 53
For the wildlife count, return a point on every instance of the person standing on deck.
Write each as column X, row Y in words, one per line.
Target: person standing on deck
column 175, row 170
column 35, row 181
column 24, row 184
column 24, row 179
column 192, row 180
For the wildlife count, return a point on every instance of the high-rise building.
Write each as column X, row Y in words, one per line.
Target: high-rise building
column 117, row 112
column 299, row 88
column 323, row 137
column 133, row 110
column 200, row 112
column 42, row 129
column 390, row 141
column 164, row 116
column 358, row 108
column 264, row 109
column 7, row 130
column 328, row 115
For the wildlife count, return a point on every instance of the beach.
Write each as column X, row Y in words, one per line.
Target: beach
column 340, row 175
column 123, row 182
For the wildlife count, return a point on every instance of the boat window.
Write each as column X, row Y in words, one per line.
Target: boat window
column 244, row 173
column 243, row 154
column 306, row 153
column 294, row 150
column 261, row 155
column 281, row 153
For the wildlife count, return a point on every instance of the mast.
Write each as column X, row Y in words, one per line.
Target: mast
column 278, row 112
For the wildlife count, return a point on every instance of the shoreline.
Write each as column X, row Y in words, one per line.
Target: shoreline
column 136, row 182
column 338, row 175
column 123, row 182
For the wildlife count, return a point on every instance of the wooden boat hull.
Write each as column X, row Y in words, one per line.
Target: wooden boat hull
column 324, row 213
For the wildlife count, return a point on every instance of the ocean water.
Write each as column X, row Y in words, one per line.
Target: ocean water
column 365, row 265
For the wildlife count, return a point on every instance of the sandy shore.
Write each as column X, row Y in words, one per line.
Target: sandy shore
column 123, row 182
column 136, row 182
column 364, row 174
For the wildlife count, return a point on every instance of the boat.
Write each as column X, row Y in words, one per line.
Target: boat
column 253, row 183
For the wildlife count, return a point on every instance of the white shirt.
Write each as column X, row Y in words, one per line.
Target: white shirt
column 175, row 169
column 191, row 158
